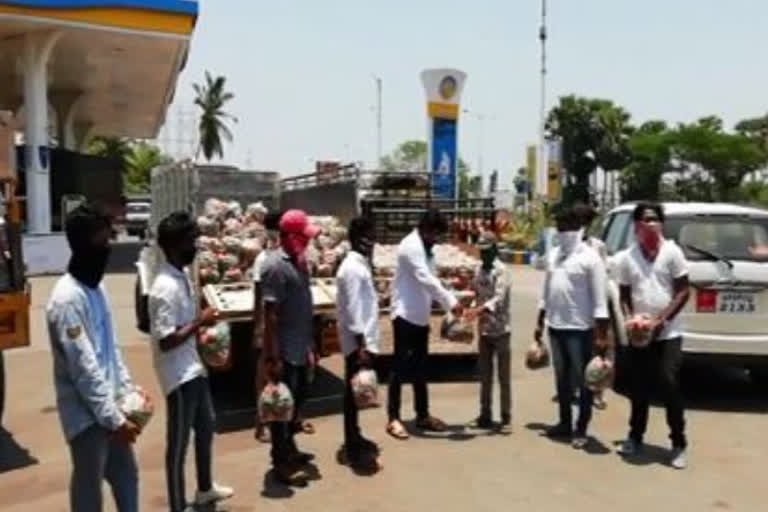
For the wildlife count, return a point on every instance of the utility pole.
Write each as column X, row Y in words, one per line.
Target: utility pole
column 542, row 164
column 378, row 120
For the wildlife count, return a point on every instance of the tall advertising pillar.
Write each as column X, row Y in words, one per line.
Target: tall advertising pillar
column 443, row 89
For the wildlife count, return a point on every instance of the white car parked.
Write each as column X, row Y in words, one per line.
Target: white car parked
column 726, row 318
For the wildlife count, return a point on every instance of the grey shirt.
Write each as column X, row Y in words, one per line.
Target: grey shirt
column 286, row 286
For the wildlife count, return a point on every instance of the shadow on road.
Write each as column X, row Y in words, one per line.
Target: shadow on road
column 452, row 432
column 651, row 454
column 12, row 455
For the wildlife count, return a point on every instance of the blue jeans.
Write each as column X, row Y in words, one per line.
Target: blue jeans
column 96, row 457
column 571, row 352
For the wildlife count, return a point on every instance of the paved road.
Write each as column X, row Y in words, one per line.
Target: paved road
column 462, row 470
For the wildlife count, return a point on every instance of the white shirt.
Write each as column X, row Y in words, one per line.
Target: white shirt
column 172, row 304
column 652, row 282
column 574, row 289
column 258, row 262
column 415, row 285
column 357, row 304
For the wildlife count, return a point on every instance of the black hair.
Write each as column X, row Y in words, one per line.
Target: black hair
column 174, row 228
column 640, row 208
column 562, row 212
column 358, row 227
column 433, row 220
column 272, row 220
column 83, row 223
column 585, row 212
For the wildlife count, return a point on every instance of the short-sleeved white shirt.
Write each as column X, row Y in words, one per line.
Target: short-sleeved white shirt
column 172, row 304
column 652, row 282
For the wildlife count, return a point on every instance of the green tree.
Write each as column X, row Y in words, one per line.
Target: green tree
column 139, row 164
column 411, row 155
column 595, row 133
column 726, row 157
column 109, row 147
column 212, row 96
column 651, row 147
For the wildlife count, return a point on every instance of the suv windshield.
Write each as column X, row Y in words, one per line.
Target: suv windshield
column 728, row 236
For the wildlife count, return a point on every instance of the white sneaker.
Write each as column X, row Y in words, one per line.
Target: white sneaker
column 216, row 493
column 679, row 460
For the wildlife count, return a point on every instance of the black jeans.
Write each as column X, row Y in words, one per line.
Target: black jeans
column 410, row 361
column 352, row 434
column 657, row 366
column 282, row 432
column 571, row 352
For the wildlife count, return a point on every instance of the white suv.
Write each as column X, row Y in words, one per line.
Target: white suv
column 726, row 318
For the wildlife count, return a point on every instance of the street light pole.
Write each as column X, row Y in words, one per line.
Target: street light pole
column 378, row 119
column 541, row 164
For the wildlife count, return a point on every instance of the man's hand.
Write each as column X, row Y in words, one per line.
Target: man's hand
column 208, row 317
column 656, row 326
column 127, row 432
column 457, row 310
column 364, row 358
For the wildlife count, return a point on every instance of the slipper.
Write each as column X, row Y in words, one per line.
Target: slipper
column 303, row 427
column 396, row 430
column 431, row 424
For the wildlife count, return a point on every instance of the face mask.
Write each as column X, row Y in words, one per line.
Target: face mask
column 88, row 266
column 188, row 256
column 488, row 257
column 649, row 236
column 568, row 240
column 365, row 247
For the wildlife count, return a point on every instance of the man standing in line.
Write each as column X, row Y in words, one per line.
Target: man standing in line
column 174, row 325
column 415, row 287
column 653, row 280
column 89, row 373
column 288, row 333
column 573, row 305
column 272, row 227
column 493, row 290
column 357, row 306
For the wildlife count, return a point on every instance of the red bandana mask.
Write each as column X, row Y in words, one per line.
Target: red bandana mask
column 295, row 246
column 649, row 237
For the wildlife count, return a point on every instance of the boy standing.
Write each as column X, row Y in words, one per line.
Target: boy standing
column 492, row 286
column 174, row 326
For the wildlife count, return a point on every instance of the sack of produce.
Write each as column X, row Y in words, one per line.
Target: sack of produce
column 250, row 248
column 599, row 373
column 256, row 211
column 365, row 388
column 233, row 275
column 215, row 345
column 208, row 226
column 209, row 275
column 275, row 403
column 457, row 330
column 137, row 406
column 232, row 227
column 639, row 330
column 232, row 244
column 537, row 356
column 228, row 261
column 215, row 208
column 207, row 258
column 233, row 210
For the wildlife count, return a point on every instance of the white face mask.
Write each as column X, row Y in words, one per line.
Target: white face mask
column 568, row 240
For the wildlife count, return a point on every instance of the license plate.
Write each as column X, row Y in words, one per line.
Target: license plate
column 735, row 302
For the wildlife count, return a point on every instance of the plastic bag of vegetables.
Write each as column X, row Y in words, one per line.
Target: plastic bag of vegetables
column 537, row 356
column 215, row 344
column 599, row 373
column 365, row 388
column 458, row 330
column 639, row 330
column 137, row 406
column 275, row 403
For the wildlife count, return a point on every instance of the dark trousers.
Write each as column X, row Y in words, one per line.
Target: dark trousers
column 657, row 366
column 409, row 362
column 283, row 432
column 352, row 435
column 190, row 407
column 500, row 346
column 571, row 352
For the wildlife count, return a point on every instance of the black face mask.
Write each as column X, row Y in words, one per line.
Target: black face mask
column 365, row 247
column 188, row 255
column 88, row 266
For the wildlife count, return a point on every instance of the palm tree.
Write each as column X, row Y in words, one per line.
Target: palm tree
column 117, row 148
column 139, row 164
column 211, row 98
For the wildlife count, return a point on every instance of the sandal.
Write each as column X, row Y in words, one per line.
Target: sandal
column 397, row 430
column 431, row 424
column 304, row 427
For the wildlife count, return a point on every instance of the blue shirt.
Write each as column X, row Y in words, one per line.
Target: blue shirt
column 88, row 370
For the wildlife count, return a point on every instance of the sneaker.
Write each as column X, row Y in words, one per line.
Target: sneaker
column 559, row 431
column 679, row 460
column 483, row 422
column 215, row 493
column 580, row 441
column 630, row 448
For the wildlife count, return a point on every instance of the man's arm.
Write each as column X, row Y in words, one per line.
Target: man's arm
column 598, row 280
column 539, row 331
column 416, row 262
column 163, row 316
column 83, row 367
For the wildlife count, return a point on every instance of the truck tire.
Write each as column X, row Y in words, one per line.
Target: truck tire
column 2, row 386
column 141, row 305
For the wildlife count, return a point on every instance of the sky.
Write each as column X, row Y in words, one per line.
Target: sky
column 302, row 70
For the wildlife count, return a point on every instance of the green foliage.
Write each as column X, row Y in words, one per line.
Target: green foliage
column 109, row 147
column 651, row 148
column 411, row 155
column 595, row 133
column 211, row 98
column 137, row 159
